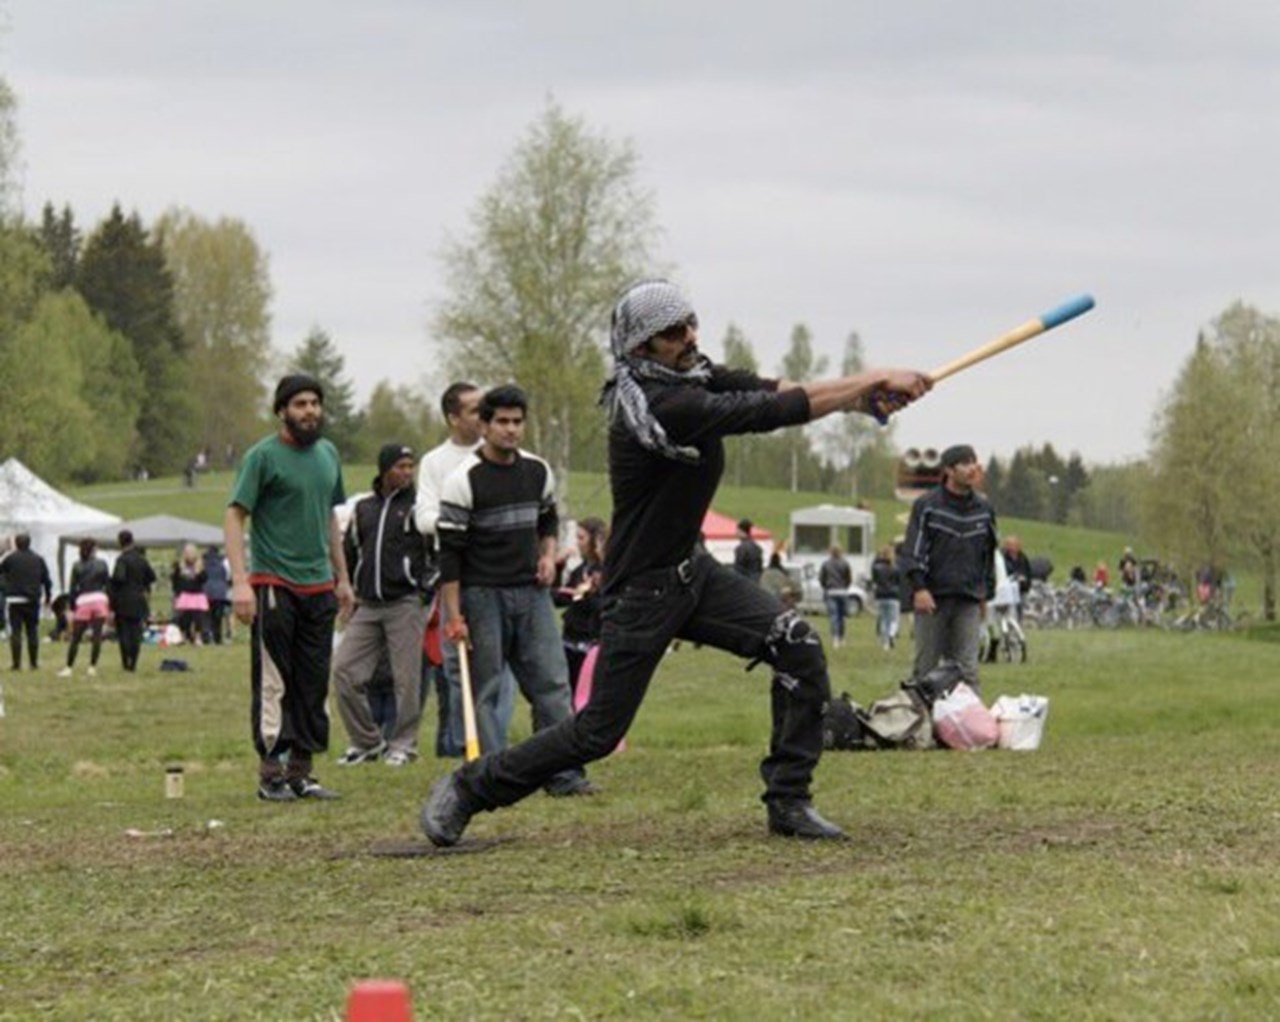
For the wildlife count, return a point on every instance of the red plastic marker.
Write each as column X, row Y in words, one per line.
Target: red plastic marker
column 379, row 1000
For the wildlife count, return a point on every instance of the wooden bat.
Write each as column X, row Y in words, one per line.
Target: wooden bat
column 472, row 736
column 883, row 403
column 1032, row 328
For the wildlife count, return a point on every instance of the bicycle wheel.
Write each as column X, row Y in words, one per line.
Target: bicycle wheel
column 1015, row 644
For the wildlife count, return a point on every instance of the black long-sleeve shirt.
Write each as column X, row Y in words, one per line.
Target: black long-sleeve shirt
column 659, row 503
column 25, row 574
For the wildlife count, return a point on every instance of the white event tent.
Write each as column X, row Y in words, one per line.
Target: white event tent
column 29, row 504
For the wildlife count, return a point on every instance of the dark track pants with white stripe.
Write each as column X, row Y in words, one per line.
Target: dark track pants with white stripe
column 289, row 673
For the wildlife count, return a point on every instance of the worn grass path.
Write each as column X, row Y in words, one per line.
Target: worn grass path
column 1127, row 870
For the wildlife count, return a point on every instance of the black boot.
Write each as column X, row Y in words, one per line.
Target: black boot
column 798, row 818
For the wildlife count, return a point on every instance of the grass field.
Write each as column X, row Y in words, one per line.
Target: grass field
column 1125, row 870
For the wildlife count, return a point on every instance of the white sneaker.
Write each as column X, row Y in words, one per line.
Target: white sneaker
column 65, row 673
column 92, row 672
column 399, row 758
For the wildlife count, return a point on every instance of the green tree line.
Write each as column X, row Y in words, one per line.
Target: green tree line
column 134, row 345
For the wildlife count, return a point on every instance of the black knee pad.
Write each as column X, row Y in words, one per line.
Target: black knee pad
column 796, row 655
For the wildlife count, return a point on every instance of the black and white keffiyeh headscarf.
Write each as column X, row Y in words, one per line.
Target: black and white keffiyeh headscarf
column 644, row 310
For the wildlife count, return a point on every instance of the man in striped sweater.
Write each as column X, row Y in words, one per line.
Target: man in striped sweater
column 497, row 531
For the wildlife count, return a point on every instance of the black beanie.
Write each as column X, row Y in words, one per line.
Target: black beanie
column 295, row 383
column 390, row 454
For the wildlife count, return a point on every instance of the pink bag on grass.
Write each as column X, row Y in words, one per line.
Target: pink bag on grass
column 961, row 721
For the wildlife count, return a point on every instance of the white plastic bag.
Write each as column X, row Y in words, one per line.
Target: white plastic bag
column 1021, row 721
column 961, row 721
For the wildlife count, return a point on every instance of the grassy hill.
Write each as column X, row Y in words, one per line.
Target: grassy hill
column 589, row 495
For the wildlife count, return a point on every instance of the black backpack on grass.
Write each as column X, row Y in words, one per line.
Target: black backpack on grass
column 842, row 725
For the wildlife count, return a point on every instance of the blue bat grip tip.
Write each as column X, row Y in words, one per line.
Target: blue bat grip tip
column 1067, row 310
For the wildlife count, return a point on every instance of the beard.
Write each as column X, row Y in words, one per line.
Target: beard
column 303, row 434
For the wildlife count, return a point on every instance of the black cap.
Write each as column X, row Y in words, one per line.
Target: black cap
column 293, row 384
column 390, row 454
column 958, row 454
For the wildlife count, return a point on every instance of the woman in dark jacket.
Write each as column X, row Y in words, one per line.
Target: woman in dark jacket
column 217, row 587
column 580, row 597
column 90, row 578
column 886, row 585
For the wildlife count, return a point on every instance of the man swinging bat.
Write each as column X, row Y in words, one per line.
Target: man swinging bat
column 670, row 409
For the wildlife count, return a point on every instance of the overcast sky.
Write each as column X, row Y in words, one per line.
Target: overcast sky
column 928, row 174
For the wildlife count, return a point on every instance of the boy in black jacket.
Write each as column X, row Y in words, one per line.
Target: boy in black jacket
column 949, row 560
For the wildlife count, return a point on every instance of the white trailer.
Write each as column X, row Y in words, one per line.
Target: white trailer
column 814, row 531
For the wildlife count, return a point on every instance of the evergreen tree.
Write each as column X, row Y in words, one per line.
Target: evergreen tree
column 995, row 483
column 61, row 241
column 1024, row 488
column 123, row 277
column 1074, row 483
column 398, row 415
column 319, row 357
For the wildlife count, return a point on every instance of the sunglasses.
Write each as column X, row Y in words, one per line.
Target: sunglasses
column 677, row 331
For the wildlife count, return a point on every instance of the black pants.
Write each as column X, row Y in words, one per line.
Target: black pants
column 24, row 618
column 78, row 628
column 219, row 611
column 705, row 603
column 292, row 651
column 129, row 635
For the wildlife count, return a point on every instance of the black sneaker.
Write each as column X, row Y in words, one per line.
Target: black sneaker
column 309, row 787
column 572, row 785
column 444, row 817
column 798, row 818
column 276, row 790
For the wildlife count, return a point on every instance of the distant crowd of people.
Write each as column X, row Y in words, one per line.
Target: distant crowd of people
column 104, row 601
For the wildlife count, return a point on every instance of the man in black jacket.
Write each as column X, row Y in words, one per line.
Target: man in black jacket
column 24, row 576
column 131, row 582
column 670, row 410
column 386, row 556
column 748, row 557
column 948, row 559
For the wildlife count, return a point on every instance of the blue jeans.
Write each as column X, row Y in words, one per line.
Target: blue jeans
column 450, row 733
column 888, row 614
column 515, row 627
column 837, row 611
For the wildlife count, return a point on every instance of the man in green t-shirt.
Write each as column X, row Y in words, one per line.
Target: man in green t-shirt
column 292, row 587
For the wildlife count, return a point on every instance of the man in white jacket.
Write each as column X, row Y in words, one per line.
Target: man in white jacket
column 460, row 405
